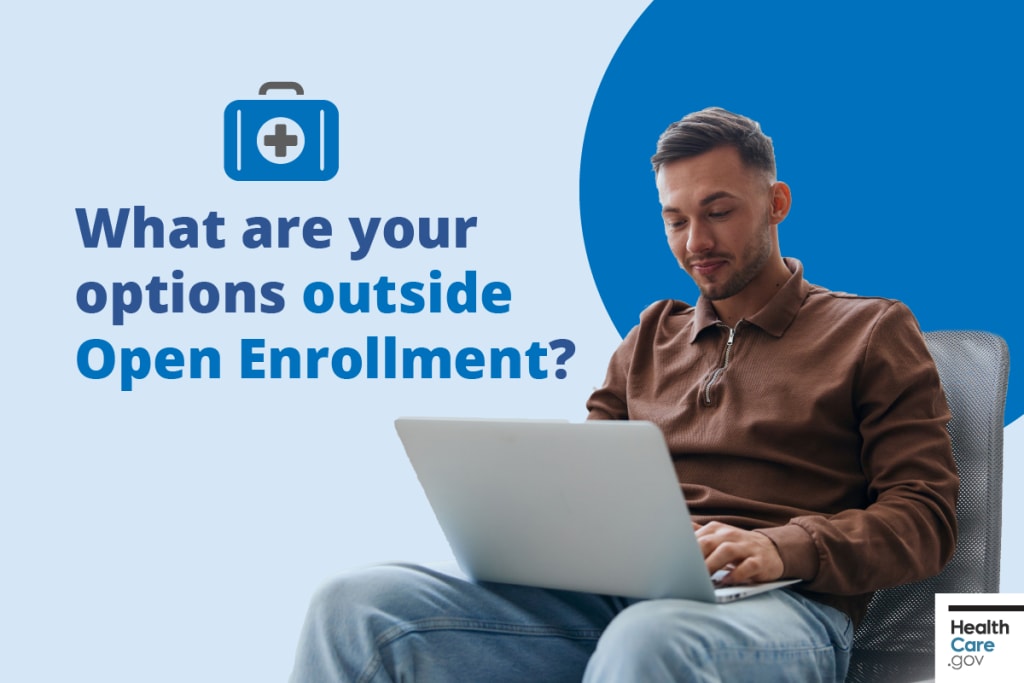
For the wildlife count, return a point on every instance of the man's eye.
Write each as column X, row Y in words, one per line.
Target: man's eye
column 720, row 214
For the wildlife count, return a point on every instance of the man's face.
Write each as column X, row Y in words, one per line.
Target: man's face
column 718, row 220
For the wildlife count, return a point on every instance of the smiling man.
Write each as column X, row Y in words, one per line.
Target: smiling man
column 721, row 220
column 807, row 429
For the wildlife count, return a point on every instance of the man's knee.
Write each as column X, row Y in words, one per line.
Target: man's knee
column 771, row 637
column 368, row 596
column 350, row 616
column 647, row 641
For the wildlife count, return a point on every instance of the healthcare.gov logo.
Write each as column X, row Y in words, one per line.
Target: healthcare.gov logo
column 278, row 138
column 978, row 637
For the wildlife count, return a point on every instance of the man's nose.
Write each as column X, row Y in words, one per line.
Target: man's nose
column 700, row 237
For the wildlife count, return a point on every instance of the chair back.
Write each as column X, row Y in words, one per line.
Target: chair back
column 895, row 641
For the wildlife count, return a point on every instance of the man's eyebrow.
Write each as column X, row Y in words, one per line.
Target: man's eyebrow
column 716, row 195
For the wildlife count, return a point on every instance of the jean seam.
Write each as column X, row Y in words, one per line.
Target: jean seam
column 776, row 649
column 395, row 633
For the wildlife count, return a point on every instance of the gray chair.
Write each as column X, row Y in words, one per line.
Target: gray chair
column 895, row 641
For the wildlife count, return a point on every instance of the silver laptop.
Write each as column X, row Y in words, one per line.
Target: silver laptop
column 592, row 506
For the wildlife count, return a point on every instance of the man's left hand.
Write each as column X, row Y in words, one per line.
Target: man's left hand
column 752, row 556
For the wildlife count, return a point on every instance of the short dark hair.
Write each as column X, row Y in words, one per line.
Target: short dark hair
column 703, row 131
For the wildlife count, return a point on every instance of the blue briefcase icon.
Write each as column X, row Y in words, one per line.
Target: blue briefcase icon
column 281, row 139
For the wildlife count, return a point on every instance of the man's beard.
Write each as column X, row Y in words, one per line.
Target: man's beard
column 755, row 256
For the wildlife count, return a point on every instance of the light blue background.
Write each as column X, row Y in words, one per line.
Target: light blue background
column 175, row 533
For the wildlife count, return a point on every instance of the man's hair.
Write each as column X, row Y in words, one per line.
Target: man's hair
column 708, row 129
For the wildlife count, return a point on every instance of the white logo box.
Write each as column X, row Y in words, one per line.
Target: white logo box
column 979, row 637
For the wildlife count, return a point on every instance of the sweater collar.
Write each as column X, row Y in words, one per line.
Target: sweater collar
column 774, row 317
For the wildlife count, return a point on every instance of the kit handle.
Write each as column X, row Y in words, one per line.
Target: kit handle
column 281, row 85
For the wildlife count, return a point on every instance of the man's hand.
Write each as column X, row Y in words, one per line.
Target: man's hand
column 752, row 557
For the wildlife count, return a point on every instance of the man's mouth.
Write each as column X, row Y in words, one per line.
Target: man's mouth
column 707, row 266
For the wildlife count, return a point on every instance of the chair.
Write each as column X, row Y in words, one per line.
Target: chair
column 895, row 641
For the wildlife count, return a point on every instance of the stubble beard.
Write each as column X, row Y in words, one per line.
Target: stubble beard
column 755, row 256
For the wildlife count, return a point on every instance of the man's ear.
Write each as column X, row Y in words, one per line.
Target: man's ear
column 781, row 201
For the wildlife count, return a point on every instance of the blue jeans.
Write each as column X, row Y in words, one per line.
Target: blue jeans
column 406, row 623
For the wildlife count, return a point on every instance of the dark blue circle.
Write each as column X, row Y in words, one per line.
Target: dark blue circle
column 898, row 129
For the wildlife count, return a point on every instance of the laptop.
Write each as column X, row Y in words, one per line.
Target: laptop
column 592, row 506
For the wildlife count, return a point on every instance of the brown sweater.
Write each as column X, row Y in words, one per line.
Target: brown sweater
column 823, row 425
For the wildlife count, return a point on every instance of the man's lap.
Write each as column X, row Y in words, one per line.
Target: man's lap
column 776, row 636
column 401, row 622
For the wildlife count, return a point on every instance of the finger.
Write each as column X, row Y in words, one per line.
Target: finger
column 713, row 534
column 754, row 570
column 708, row 542
column 743, row 572
column 718, row 555
column 721, row 577
column 753, row 562
column 712, row 528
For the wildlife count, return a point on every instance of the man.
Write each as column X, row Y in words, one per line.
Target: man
column 807, row 429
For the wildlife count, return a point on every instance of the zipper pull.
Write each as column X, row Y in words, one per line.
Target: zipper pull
column 728, row 346
column 725, row 363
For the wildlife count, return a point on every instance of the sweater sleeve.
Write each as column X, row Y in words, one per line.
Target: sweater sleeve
column 609, row 402
column 908, row 530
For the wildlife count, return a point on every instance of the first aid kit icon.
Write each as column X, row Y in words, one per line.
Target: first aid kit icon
column 281, row 138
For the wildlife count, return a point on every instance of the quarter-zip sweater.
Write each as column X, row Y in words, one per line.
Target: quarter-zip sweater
column 818, row 421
